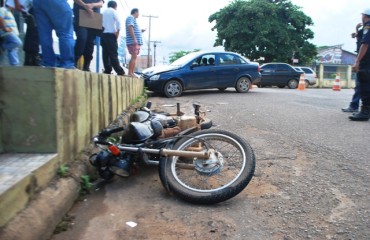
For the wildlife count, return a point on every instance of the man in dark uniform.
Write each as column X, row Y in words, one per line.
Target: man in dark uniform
column 85, row 36
column 355, row 103
column 362, row 67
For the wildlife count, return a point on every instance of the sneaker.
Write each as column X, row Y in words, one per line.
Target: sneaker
column 350, row 109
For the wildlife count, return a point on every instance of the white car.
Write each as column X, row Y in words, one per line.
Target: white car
column 309, row 74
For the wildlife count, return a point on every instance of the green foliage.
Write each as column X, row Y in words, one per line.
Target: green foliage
column 63, row 171
column 176, row 55
column 272, row 30
column 86, row 185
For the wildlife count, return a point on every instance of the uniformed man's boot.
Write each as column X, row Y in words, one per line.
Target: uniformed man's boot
column 363, row 115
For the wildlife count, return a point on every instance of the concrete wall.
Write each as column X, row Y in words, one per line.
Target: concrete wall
column 54, row 110
column 345, row 76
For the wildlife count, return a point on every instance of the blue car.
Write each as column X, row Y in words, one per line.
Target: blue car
column 202, row 70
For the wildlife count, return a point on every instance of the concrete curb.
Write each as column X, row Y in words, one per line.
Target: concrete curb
column 39, row 219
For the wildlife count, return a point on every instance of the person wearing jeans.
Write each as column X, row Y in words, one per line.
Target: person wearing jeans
column 55, row 15
column 10, row 41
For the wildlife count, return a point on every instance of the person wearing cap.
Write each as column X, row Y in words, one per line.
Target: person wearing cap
column 355, row 103
column 362, row 68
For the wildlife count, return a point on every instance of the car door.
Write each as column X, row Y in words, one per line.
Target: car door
column 283, row 74
column 201, row 74
column 268, row 74
column 228, row 69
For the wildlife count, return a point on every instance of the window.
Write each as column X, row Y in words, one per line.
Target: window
column 269, row 68
column 283, row 68
column 207, row 60
column 229, row 59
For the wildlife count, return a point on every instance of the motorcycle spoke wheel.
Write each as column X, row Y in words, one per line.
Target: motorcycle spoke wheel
column 225, row 174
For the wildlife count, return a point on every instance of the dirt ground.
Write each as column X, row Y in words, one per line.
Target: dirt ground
column 293, row 195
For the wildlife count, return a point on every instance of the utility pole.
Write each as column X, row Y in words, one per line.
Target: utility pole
column 150, row 23
column 155, row 45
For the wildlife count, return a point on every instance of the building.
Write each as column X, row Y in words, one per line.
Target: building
column 335, row 55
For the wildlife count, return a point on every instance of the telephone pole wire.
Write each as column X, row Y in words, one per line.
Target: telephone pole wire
column 150, row 23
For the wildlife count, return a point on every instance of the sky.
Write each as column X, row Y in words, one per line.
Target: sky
column 183, row 25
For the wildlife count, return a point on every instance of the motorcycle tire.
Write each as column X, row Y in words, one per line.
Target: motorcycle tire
column 208, row 181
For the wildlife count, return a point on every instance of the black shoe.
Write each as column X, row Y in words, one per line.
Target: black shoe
column 350, row 109
column 363, row 115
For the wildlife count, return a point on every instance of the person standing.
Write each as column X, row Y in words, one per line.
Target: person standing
column 85, row 36
column 133, row 39
column 55, row 14
column 362, row 67
column 9, row 36
column 112, row 26
column 355, row 103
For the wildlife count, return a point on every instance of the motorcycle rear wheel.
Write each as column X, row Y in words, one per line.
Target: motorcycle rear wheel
column 228, row 171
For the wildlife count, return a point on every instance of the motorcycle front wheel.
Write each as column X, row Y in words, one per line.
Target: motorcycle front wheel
column 225, row 174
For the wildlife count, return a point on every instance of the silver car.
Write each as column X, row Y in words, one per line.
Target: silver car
column 309, row 74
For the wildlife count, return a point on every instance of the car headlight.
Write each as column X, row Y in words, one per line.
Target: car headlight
column 154, row 77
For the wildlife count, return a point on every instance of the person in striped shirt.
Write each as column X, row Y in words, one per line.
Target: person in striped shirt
column 9, row 36
column 133, row 39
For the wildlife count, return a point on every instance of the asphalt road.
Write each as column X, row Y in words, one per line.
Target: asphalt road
column 311, row 181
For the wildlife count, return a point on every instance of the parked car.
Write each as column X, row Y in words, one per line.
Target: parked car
column 309, row 74
column 202, row 70
column 279, row 74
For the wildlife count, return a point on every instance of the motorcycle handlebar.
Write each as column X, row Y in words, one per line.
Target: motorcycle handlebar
column 107, row 132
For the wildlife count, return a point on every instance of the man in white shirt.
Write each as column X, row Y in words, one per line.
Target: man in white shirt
column 112, row 26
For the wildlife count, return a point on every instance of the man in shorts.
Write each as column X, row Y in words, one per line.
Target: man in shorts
column 133, row 39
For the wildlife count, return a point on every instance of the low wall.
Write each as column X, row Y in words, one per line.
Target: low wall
column 54, row 110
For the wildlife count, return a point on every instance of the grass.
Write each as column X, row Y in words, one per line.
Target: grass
column 63, row 171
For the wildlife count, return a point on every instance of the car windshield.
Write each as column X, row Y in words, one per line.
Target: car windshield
column 185, row 59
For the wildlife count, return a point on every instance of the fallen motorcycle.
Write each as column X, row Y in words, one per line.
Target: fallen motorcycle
column 203, row 166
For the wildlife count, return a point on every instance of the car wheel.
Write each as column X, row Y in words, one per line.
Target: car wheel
column 172, row 88
column 243, row 85
column 307, row 83
column 222, row 89
column 292, row 83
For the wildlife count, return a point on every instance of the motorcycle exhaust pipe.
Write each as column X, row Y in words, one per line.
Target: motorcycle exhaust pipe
column 168, row 152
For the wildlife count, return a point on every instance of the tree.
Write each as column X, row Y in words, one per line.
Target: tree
column 273, row 30
column 176, row 55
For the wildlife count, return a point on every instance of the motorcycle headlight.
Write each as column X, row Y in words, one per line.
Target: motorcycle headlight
column 154, row 77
